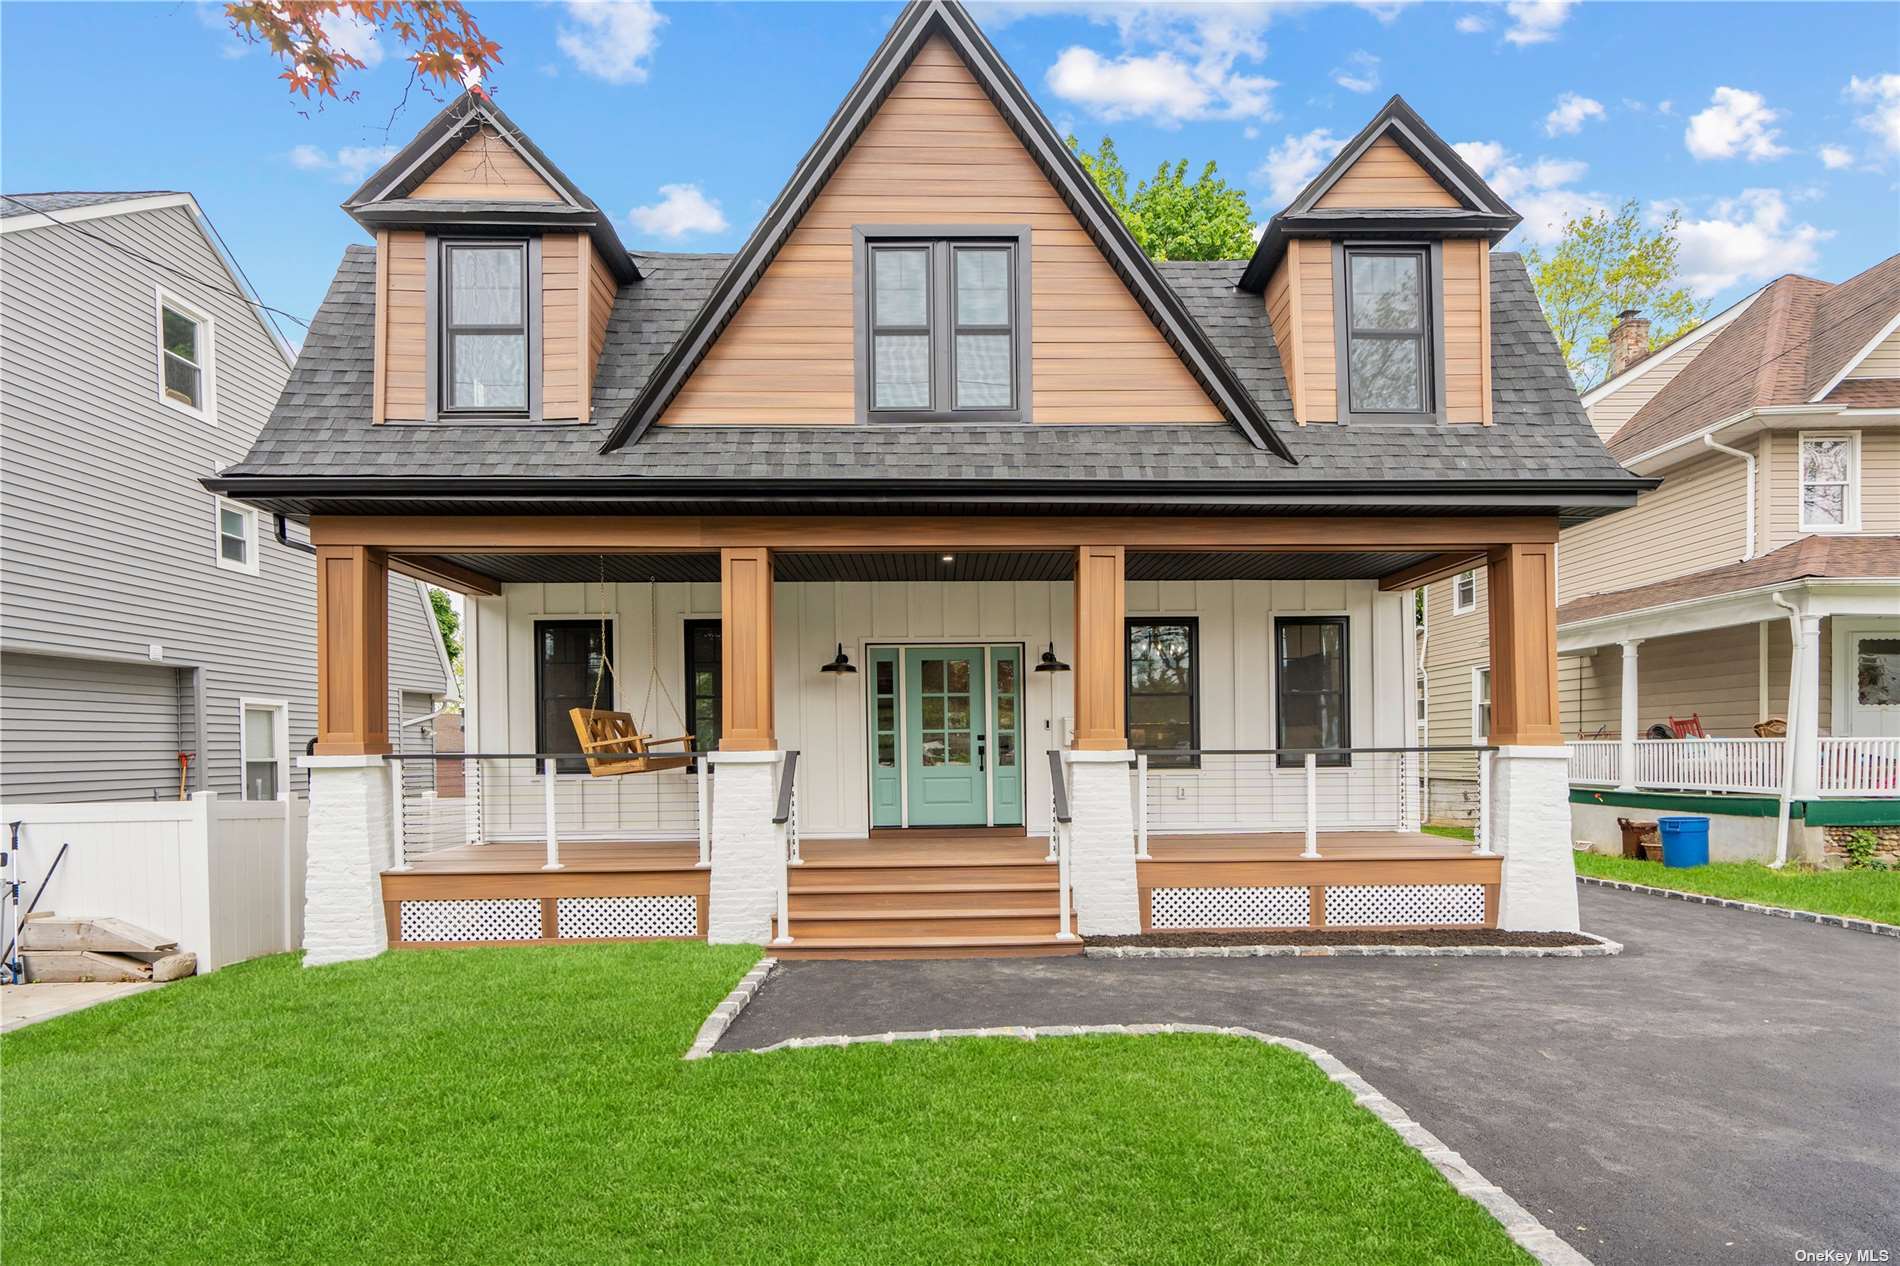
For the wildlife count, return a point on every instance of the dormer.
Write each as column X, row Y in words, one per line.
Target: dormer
column 1377, row 281
column 495, row 276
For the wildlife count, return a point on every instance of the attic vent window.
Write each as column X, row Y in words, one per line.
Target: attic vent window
column 944, row 325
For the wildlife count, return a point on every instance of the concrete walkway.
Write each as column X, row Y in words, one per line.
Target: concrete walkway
column 21, row 1005
column 1725, row 1091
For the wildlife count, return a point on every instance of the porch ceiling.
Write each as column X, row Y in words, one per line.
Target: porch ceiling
column 976, row 565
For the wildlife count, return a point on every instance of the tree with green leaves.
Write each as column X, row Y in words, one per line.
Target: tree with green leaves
column 1603, row 265
column 1170, row 217
column 451, row 625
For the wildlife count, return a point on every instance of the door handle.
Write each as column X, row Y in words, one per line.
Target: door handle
column 980, row 767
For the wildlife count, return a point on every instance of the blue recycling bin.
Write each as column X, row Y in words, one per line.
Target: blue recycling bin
column 1685, row 842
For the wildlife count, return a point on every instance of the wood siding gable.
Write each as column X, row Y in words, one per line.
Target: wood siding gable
column 1385, row 177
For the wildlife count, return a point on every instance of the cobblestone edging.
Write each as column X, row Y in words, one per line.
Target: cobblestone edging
column 1603, row 948
column 1779, row 912
column 1537, row 1239
column 728, row 1010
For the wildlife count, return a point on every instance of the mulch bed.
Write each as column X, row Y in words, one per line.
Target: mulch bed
column 1348, row 936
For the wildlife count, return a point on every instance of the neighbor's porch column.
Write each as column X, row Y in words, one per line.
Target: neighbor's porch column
column 1102, row 834
column 1804, row 715
column 1530, row 786
column 1629, row 721
column 350, row 802
column 746, row 865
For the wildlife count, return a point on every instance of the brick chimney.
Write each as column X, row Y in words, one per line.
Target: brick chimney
column 1629, row 340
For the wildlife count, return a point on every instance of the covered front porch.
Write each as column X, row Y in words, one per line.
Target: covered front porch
column 961, row 737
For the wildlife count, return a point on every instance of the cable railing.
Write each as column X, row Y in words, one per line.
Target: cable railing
column 1309, row 791
column 785, row 832
column 509, row 797
column 1061, row 826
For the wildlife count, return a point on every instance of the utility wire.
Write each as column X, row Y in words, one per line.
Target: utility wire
column 159, row 263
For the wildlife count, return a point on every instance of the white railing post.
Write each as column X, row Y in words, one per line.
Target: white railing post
column 548, row 771
column 1312, row 806
column 1056, row 833
column 472, row 801
column 703, row 769
column 1481, row 837
column 784, row 887
column 1141, row 805
column 399, row 856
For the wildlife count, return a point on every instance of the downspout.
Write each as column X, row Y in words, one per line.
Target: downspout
column 1748, row 550
column 1787, row 751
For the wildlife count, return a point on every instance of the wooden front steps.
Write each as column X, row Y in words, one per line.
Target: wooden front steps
column 929, row 898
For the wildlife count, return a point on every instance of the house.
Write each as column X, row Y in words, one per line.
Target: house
column 145, row 618
column 994, row 570
column 1764, row 569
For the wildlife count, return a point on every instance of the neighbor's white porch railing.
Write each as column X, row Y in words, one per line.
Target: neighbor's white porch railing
column 1859, row 767
column 1684, row 764
column 1309, row 792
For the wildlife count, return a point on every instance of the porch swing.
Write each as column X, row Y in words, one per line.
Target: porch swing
column 615, row 742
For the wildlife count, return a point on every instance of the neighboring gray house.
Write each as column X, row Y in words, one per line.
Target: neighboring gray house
column 140, row 616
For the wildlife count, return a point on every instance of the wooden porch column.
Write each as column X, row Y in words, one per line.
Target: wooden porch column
column 1522, row 582
column 745, row 649
column 1100, row 605
column 352, row 651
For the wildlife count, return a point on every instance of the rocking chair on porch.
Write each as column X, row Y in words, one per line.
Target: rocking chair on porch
column 612, row 742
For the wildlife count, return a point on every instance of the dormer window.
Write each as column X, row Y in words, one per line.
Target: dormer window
column 1388, row 357
column 485, row 313
column 944, row 325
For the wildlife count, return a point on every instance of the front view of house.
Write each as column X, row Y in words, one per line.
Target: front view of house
column 937, row 573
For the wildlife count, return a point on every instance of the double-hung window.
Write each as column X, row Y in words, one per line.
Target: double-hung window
column 264, row 741
column 485, row 309
column 184, row 357
column 1464, row 593
column 1830, row 484
column 943, row 324
column 1480, row 706
column 1385, row 324
column 1311, row 675
column 237, row 536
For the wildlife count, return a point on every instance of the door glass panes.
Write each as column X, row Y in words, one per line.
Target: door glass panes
column 1005, row 713
column 1877, row 672
column 884, row 712
column 703, row 682
column 944, row 712
column 1311, row 675
column 1161, row 688
column 566, row 667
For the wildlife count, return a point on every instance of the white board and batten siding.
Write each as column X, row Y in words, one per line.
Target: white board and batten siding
column 109, row 546
column 823, row 715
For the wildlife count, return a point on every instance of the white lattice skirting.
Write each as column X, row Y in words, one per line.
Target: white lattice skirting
column 497, row 919
column 1403, row 905
column 627, row 916
column 1284, row 906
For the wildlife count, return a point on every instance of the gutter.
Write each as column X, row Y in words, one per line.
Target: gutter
column 1748, row 549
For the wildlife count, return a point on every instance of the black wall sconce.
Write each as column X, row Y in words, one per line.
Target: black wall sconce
column 840, row 664
column 1049, row 663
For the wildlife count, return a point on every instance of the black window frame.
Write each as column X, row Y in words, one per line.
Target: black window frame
column 440, row 332
column 942, row 242
column 1193, row 625
column 1288, row 761
column 690, row 666
column 604, row 701
column 1431, row 336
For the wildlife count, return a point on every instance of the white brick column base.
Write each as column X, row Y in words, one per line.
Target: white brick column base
column 1102, row 843
column 346, row 851
column 746, row 862
column 1530, row 825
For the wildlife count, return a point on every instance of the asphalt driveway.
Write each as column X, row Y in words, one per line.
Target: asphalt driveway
column 1725, row 1091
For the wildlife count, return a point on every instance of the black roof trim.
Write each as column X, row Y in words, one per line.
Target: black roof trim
column 1484, row 213
column 921, row 19
column 410, row 212
column 431, row 147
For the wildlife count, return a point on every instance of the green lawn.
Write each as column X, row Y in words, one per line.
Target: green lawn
column 530, row 1105
column 1860, row 894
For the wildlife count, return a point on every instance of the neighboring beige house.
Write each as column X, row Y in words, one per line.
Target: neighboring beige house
column 1775, row 428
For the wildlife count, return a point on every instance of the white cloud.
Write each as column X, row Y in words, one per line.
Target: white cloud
column 1835, row 157
column 1748, row 238
column 1541, row 189
column 351, row 164
column 1665, row 106
column 1359, row 74
column 611, row 39
column 1473, row 24
column 1160, row 87
column 682, row 209
column 349, row 35
column 1571, row 113
column 1882, row 92
column 1737, row 122
column 1536, row 21
column 1295, row 161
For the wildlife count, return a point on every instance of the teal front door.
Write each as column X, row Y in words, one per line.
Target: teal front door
column 945, row 735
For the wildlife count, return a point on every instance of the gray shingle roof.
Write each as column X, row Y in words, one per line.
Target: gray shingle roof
column 321, row 426
column 67, row 200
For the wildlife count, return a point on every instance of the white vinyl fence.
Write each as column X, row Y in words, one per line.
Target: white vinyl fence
column 224, row 877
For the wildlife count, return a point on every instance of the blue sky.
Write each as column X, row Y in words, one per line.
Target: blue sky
column 1773, row 129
